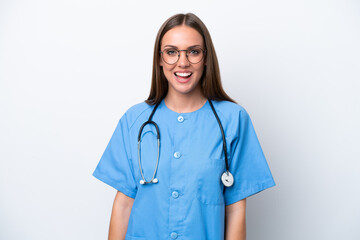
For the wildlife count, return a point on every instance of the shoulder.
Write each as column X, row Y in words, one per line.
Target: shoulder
column 230, row 110
column 137, row 110
column 233, row 116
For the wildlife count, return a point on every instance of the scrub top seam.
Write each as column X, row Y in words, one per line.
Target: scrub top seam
column 139, row 114
column 130, row 156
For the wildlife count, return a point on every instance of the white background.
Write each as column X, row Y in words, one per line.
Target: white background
column 70, row 69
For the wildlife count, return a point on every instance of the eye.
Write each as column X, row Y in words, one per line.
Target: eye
column 170, row 52
column 194, row 52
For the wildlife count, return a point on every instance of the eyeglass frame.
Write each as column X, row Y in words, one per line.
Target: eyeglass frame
column 186, row 54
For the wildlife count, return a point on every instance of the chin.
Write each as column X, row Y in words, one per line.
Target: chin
column 184, row 90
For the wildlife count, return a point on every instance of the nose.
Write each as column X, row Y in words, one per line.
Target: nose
column 183, row 62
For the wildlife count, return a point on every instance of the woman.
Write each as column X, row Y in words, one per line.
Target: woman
column 192, row 183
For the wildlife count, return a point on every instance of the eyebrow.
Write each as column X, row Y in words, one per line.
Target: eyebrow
column 172, row 46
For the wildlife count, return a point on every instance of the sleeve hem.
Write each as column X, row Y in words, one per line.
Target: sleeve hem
column 251, row 191
column 117, row 186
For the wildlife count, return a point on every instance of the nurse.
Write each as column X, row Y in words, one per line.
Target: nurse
column 174, row 190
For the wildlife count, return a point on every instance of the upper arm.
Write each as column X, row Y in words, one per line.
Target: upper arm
column 237, row 207
column 235, row 220
column 120, row 216
column 123, row 201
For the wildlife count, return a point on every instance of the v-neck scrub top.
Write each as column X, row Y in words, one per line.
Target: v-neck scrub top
column 188, row 202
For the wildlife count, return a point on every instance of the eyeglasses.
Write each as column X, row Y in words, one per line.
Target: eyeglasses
column 193, row 55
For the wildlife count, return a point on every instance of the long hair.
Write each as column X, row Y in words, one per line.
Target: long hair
column 210, row 81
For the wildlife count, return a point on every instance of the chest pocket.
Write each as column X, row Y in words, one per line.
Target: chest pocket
column 209, row 185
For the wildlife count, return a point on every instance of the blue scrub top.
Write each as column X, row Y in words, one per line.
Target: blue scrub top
column 189, row 200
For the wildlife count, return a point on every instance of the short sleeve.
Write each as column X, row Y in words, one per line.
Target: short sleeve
column 114, row 167
column 247, row 164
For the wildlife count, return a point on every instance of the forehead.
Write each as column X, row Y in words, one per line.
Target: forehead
column 182, row 37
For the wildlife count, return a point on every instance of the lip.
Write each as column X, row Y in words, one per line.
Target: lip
column 181, row 79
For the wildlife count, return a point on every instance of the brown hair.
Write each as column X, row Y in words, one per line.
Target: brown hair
column 211, row 86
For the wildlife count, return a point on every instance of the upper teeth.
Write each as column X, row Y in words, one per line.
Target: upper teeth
column 183, row 74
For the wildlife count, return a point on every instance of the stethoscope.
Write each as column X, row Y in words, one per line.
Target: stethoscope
column 226, row 178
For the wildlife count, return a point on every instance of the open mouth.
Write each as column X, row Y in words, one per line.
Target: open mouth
column 183, row 75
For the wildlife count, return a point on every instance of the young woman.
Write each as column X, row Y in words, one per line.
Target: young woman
column 185, row 160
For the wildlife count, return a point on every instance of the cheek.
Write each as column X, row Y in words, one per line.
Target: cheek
column 167, row 69
column 167, row 72
column 161, row 62
column 200, row 69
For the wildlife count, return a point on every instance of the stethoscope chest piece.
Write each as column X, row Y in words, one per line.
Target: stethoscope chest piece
column 227, row 179
column 155, row 180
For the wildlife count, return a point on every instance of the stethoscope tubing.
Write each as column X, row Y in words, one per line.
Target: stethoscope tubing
column 222, row 134
column 149, row 121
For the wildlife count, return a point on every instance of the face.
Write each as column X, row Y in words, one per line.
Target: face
column 183, row 77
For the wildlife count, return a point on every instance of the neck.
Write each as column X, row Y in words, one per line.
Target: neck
column 183, row 103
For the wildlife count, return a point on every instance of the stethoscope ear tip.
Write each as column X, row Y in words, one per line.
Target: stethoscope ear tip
column 142, row 182
column 155, row 180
